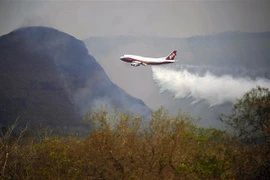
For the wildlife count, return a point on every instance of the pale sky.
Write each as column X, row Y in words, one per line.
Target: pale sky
column 84, row 19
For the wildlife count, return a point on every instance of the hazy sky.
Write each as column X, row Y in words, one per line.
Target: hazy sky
column 83, row 19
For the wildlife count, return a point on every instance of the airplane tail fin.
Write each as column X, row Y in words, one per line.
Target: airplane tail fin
column 172, row 55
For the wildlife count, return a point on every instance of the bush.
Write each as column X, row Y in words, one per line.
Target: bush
column 121, row 146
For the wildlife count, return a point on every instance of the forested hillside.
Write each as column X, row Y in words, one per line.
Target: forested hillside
column 48, row 78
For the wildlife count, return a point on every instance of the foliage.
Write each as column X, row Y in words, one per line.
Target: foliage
column 250, row 121
column 250, row 118
column 120, row 146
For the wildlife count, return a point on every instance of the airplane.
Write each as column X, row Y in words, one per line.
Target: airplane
column 135, row 60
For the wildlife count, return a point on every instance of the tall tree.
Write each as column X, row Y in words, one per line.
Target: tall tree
column 250, row 117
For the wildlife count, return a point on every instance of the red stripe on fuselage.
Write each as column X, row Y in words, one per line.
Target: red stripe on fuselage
column 127, row 59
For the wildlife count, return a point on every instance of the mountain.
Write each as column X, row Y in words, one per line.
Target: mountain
column 49, row 78
column 237, row 54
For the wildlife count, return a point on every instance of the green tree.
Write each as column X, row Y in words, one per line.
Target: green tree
column 250, row 117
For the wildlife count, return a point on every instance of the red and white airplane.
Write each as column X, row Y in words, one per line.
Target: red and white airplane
column 139, row 60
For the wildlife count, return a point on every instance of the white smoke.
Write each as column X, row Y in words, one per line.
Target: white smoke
column 213, row 89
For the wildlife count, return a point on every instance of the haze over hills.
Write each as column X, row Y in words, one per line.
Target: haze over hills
column 234, row 60
column 47, row 77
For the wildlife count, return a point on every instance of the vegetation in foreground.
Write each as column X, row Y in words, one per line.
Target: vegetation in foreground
column 121, row 146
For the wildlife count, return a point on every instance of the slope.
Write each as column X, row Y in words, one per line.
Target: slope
column 47, row 77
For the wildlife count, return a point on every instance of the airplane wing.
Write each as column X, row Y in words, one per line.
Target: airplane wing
column 144, row 64
column 137, row 63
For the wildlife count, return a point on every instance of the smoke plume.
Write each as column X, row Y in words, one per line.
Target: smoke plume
column 204, row 84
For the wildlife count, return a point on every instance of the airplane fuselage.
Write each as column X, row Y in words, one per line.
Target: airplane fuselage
column 145, row 60
column 135, row 60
